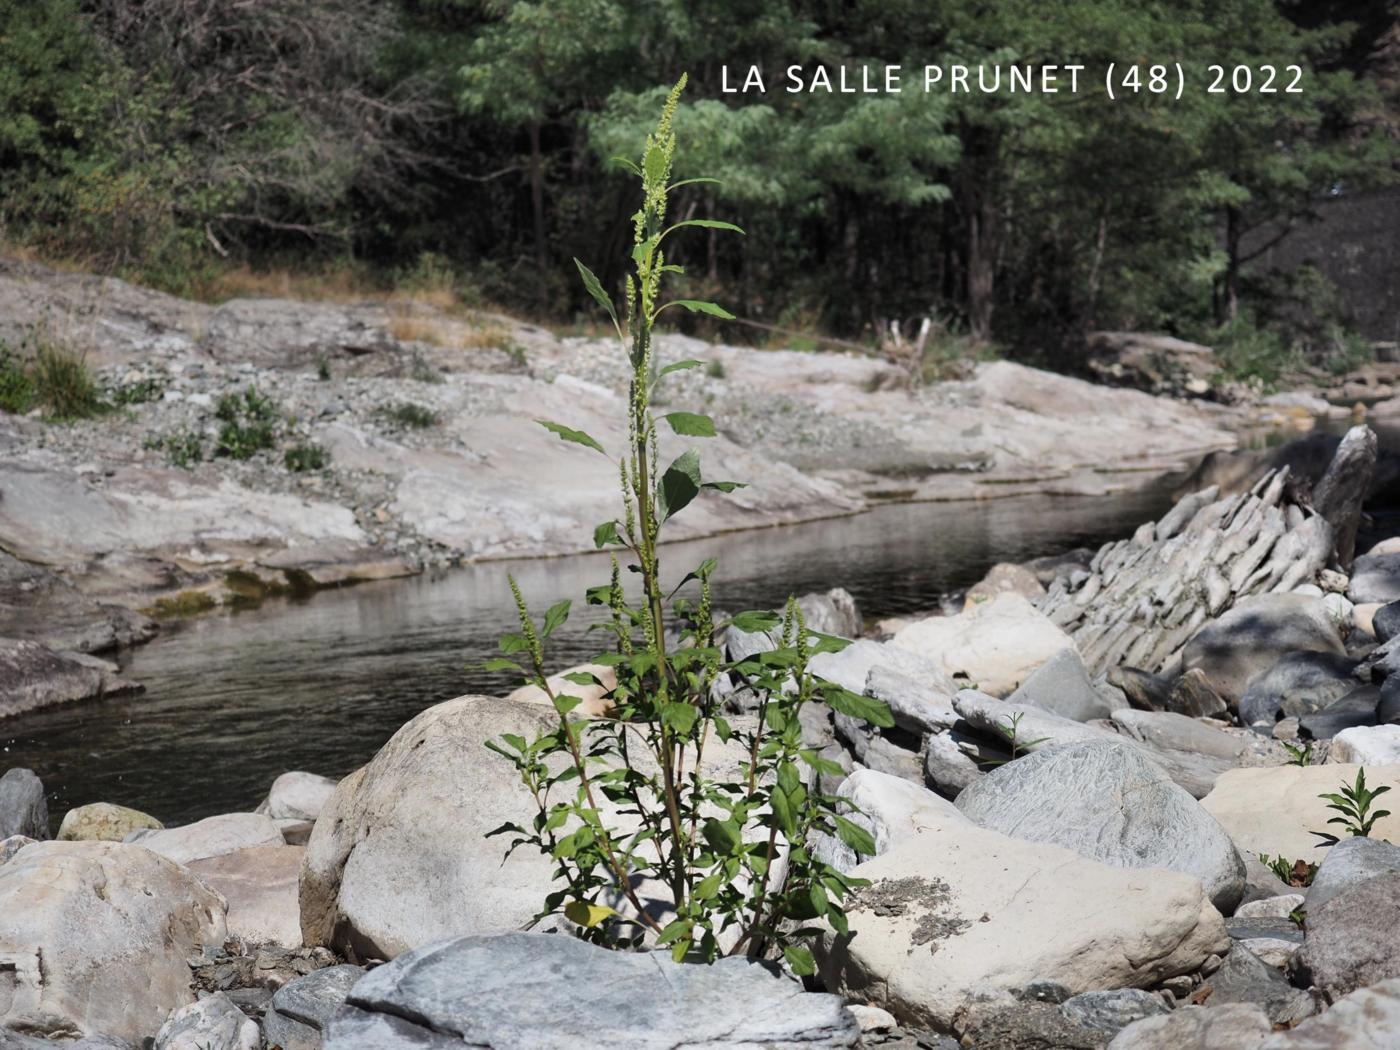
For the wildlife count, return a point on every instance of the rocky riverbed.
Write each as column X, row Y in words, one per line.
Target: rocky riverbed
column 1094, row 824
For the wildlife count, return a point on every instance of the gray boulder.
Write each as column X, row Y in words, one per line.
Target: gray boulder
column 1192, row 752
column 917, row 703
column 301, row 1009
column 1297, row 684
column 834, row 612
column 1249, row 639
column 1375, row 578
column 1385, row 622
column 1357, row 708
column 211, row 1023
column 1244, row 978
column 1108, row 802
column 1062, row 687
column 1238, row 1026
column 1113, row 1010
column 852, row 665
column 510, row 991
column 1350, row 863
column 1365, row 1020
column 297, row 796
column 1260, row 881
column 1351, row 941
column 1142, row 690
column 948, row 769
column 23, row 808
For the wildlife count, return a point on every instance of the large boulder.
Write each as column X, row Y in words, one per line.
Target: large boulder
column 24, row 810
column 1236, row 1026
column 1367, row 1019
column 1275, row 809
column 260, row 885
column 508, row 991
column 1375, row 578
column 33, row 676
column 104, row 822
column 1350, row 940
column 1194, row 753
column 1349, row 863
column 1252, row 637
column 997, row 644
column 852, row 666
column 960, row 911
column 95, row 938
column 890, row 808
column 1108, row 802
column 302, row 1007
column 1062, row 687
column 1245, row 978
column 1032, row 727
column 297, row 796
column 213, row 837
column 1298, row 684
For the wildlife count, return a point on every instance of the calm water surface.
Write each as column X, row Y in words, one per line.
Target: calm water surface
column 235, row 698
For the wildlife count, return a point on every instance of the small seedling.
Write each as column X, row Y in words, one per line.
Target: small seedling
column 1354, row 805
column 249, row 424
column 323, row 368
column 1291, row 873
column 300, row 459
column 408, row 414
column 1299, row 755
column 1011, row 730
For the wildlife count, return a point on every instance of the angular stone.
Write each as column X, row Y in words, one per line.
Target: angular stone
column 95, row 938
column 104, row 822
column 1195, row 697
column 1298, row 684
column 1351, row 940
column 24, row 809
column 851, row 667
column 1113, row 1011
column 916, row 706
column 1143, row 690
column 1062, row 687
column 1005, row 1023
column 1034, row 727
column 947, row 768
column 834, row 612
column 1243, row 978
column 505, row 991
column 1237, row 1026
column 1006, row 578
column 1385, row 621
column 260, row 885
column 1357, row 708
column 1366, row 745
column 997, row 644
column 214, row 837
column 1344, row 487
column 1375, row 578
column 1364, row 1020
column 303, row 1007
column 1108, row 802
column 211, row 1023
column 960, row 911
column 32, row 676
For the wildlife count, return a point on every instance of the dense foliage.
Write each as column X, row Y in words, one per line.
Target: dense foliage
column 167, row 138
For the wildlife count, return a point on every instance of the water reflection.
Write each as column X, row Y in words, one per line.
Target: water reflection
column 233, row 699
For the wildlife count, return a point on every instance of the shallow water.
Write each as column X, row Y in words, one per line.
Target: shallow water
column 235, row 698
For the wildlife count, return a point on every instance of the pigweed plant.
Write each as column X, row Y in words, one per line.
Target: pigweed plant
column 627, row 800
column 1354, row 804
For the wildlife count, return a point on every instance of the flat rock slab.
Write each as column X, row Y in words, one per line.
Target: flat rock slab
column 260, row 885
column 511, row 992
column 214, row 837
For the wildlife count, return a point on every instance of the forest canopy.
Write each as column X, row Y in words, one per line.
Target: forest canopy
column 167, row 139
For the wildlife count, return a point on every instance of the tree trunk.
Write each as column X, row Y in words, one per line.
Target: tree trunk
column 537, row 195
column 981, row 266
column 1231, row 299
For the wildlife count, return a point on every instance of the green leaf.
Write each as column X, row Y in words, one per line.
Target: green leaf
column 606, row 533
column 680, row 484
column 691, row 424
column 799, row 959
column 679, row 366
column 654, row 164
column 555, row 616
column 595, row 289
column 725, row 486
column 512, row 643
column 680, row 716
column 707, row 887
column 782, row 811
column 564, row 703
column 691, row 182
column 500, row 664
column 756, row 620
column 866, row 708
column 708, row 224
column 515, row 741
column 578, row 437
column 701, row 306
column 585, row 914
column 675, row 928
column 722, row 836
column 855, row 836
column 582, row 678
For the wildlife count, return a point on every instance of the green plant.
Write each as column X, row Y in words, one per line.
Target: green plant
column 1291, row 873
column 629, row 797
column 408, row 414
column 302, row 458
column 63, row 384
column 323, row 368
column 422, row 371
column 1354, row 805
column 1010, row 729
column 183, row 448
column 1299, row 754
column 715, row 369
column 138, row 392
column 249, row 424
column 16, row 384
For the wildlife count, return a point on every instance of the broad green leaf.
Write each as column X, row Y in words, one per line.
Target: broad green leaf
column 515, row 741
column 499, row 664
column 708, row 224
column 578, row 437
column 581, row 678
column 679, row 366
column 701, row 306
column 680, row 716
column 722, row 836
column 855, row 836
column 595, row 289
column 708, row 886
column 555, row 616
column 680, row 484
column 691, row 182
column 605, row 533
column 691, row 424
column 782, row 811
column 799, row 959
column 675, row 928
column 512, row 643
column 587, row 915
column 756, row 620
column 654, row 164
column 866, row 708
column 725, row 486
column 564, row 703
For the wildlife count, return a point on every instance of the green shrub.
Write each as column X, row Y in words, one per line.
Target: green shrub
column 1249, row 353
column 714, row 845
column 17, row 392
column 300, row 459
column 139, row 392
column 63, row 384
column 410, row 415
column 249, row 424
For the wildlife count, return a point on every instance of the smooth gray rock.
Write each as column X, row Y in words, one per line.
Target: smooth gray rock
column 302, row 1008
column 948, row 769
column 24, row 810
column 12, row 1040
column 1193, row 753
column 1351, row 940
column 1035, row 727
column 1112, row 1011
column 1263, row 927
column 1260, row 882
column 834, row 612
column 1108, row 802
column 1244, row 978
column 212, row 1023
column 1364, row 1020
column 1349, row 863
column 1385, row 622
column 852, row 665
column 1061, row 686
column 1297, row 684
column 1253, row 636
column 514, row 991
column 916, row 705
column 1344, row 487
column 1357, row 708
column 1238, row 1026
column 1375, row 578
